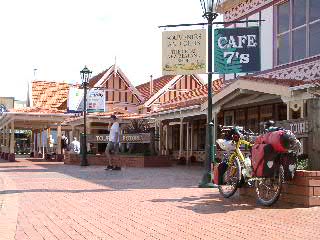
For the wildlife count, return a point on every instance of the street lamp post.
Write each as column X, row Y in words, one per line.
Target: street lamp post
column 85, row 76
column 209, row 13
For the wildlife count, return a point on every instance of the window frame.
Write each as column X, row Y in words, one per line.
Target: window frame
column 290, row 31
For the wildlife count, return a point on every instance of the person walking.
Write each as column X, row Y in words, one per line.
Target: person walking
column 113, row 144
column 64, row 143
column 75, row 146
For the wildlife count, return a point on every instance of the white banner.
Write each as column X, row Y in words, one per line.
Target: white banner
column 75, row 100
column 96, row 101
column 184, row 52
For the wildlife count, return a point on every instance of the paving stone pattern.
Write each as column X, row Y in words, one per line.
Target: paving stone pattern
column 57, row 201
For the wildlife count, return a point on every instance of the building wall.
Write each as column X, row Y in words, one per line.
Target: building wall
column 8, row 102
column 266, row 31
column 185, row 84
column 118, row 95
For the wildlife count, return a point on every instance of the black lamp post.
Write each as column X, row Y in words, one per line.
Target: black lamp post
column 209, row 7
column 85, row 76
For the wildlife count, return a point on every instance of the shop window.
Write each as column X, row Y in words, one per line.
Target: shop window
column 175, row 137
column 282, row 112
column 298, row 30
column 295, row 114
column 314, row 38
column 202, row 138
column 240, row 118
column 228, row 118
column 266, row 113
column 253, row 119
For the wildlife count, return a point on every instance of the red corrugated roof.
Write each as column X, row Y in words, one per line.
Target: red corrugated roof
column 37, row 110
column 120, row 115
column 50, row 95
column 158, row 84
column 97, row 77
column 194, row 97
column 283, row 82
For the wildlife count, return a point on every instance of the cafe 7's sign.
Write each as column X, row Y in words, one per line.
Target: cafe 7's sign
column 236, row 50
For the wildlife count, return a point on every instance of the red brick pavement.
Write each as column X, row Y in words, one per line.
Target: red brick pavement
column 56, row 201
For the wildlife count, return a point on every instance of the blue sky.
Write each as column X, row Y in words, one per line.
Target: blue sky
column 59, row 37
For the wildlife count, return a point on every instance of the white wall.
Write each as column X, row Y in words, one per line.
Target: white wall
column 267, row 39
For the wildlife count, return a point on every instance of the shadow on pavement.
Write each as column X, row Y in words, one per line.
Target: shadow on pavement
column 127, row 178
column 214, row 203
column 58, row 190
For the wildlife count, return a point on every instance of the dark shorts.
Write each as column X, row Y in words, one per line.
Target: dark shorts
column 112, row 147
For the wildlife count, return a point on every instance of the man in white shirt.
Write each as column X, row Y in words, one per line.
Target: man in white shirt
column 75, row 146
column 113, row 144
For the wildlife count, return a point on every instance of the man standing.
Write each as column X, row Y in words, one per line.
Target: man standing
column 113, row 144
column 75, row 146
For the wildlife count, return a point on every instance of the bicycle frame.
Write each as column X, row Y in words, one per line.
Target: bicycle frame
column 237, row 152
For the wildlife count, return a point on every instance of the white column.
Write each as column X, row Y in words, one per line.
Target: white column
column 288, row 111
column 191, row 139
column 167, row 129
column 188, row 160
column 302, row 109
column 1, row 139
column 89, row 132
column 72, row 134
column 160, row 137
column 7, row 138
column 59, row 139
column 181, row 138
column 34, row 137
column 41, row 142
column 12, row 141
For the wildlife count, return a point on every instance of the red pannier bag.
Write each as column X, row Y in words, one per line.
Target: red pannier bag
column 264, row 160
column 289, row 164
column 279, row 140
column 218, row 172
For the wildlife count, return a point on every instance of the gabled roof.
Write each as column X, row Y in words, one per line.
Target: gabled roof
column 158, row 84
column 50, row 95
column 192, row 98
column 161, row 86
column 101, row 78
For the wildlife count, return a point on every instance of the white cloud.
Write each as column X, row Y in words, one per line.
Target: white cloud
column 60, row 37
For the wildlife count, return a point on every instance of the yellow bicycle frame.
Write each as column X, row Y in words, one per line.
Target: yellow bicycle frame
column 237, row 152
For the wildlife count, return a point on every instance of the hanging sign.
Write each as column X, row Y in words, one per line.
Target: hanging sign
column 96, row 101
column 124, row 138
column 236, row 50
column 184, row 52
column 75, row 100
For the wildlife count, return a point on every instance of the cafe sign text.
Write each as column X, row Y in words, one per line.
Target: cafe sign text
column 237, row 50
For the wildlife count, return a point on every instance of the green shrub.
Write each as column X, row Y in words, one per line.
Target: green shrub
column 303, row 162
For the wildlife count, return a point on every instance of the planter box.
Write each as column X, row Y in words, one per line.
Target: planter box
column 12, row 157
column 304, row 189
column 121, row 160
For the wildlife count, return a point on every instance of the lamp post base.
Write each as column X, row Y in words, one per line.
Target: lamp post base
column 207, row 181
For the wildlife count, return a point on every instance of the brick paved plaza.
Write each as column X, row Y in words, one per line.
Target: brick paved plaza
column 55, row 201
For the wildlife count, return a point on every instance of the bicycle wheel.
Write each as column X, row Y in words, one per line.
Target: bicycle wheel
column 268, row 189
column 231, row 179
